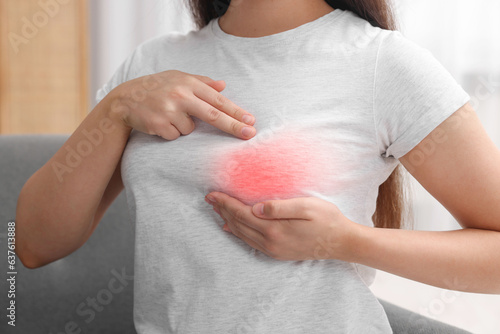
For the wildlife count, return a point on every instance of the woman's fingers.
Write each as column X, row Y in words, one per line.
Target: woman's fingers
column 240, row 229
column 218, row 85
column 169, row 132
column 183, row 123
column 240, row 212
column 216, row 109
column 163, row 103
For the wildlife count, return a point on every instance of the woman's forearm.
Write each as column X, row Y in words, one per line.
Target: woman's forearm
column 466, row 260
column 56, row 206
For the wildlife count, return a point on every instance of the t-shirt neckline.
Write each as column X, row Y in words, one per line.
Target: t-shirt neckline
column 278, row 37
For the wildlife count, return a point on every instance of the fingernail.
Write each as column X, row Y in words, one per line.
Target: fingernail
column 248, row 119
column 225, row 228
column 259, row 209
column 247, row 131
column 210, row 199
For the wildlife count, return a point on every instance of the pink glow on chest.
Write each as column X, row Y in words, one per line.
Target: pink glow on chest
column 279, row 168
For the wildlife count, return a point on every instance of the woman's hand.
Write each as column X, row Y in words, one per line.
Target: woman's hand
column 161, row 104
column 304, row 228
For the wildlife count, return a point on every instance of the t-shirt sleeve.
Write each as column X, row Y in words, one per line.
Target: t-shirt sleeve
column 413, row 94
column 120, row 76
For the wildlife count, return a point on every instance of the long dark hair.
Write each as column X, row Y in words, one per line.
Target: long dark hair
column 393, row 197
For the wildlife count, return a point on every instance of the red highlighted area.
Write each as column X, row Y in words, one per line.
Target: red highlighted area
column 281, row 167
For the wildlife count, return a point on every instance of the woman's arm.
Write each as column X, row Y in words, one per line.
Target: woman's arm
column 459, row 165
column 465, row 260
column 57, row 208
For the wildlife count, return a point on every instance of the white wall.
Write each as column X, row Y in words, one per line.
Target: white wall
column 463, row 35
column 118, row 26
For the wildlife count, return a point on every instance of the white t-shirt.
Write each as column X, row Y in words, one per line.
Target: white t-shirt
column 337, row 102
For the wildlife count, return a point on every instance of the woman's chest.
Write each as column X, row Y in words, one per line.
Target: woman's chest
column 287, row 158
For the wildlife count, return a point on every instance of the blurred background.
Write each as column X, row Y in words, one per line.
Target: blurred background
column 55, row 55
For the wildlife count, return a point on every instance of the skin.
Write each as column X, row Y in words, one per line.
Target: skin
column 461, row 172
column 257, row 18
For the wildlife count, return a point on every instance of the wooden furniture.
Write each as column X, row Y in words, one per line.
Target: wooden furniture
column 43, row 65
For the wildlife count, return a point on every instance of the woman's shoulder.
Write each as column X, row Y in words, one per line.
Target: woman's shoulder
column 160, row 52
column 360, row 33
column 356, row 33
column 169, row 41
column 154, row 55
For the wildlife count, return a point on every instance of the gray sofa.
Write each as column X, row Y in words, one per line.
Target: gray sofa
column 90, row 291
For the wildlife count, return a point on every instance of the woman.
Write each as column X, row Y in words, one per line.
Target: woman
column 334, row 104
